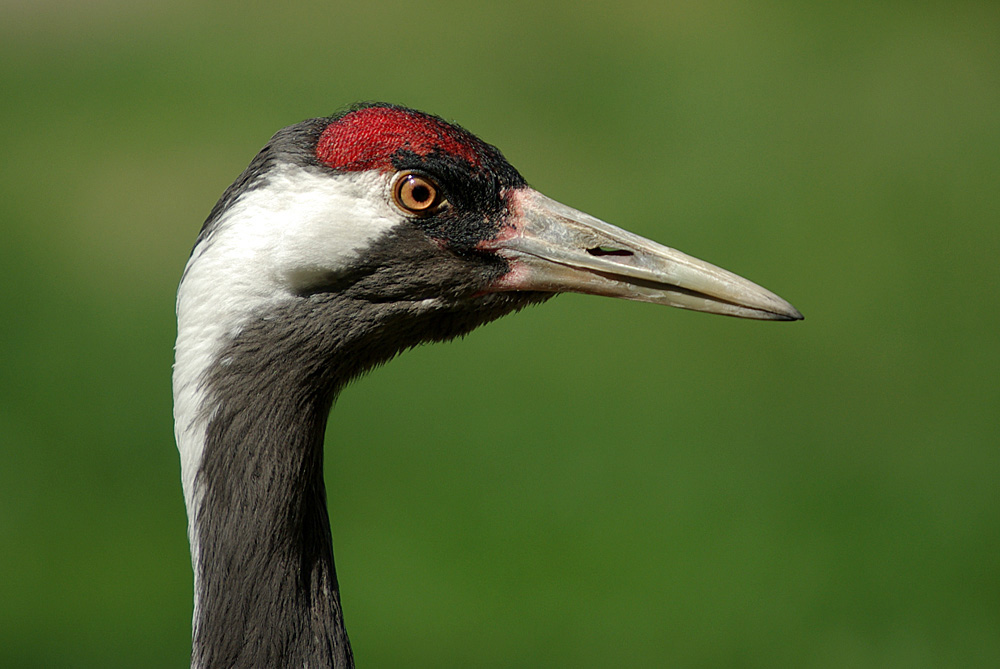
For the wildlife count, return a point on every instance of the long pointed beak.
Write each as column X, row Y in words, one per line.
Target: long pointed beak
column 555, row 248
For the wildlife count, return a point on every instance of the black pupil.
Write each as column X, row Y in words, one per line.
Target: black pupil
column 420, row 193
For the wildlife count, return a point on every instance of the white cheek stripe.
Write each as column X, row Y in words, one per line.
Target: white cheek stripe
column 274, row 240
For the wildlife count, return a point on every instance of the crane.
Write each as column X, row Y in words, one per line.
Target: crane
column 347, row 240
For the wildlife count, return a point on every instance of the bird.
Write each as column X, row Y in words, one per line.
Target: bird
column 347, row 240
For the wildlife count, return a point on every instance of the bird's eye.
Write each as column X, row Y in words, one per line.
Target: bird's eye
column 416, row 194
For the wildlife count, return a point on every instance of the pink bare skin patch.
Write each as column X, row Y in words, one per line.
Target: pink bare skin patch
column 513, row 222
column 518, row 276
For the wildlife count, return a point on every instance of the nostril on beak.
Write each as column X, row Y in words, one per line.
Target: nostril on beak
column 608, row 251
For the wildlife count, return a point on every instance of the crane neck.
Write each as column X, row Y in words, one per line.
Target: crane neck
column 250, row 407
column 252, row 392
column 250, row 412
column 266, row 586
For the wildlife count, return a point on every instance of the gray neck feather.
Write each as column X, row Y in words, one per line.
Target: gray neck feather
column 268, row 593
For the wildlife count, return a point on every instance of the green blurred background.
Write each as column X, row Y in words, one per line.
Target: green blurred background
column 591, row 483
